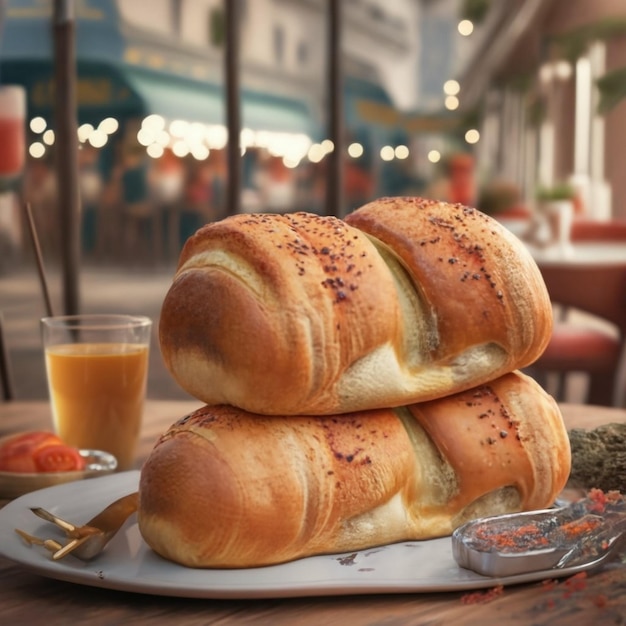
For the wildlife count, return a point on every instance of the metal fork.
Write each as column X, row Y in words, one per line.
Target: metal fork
column 87, row 541
column 608, row 545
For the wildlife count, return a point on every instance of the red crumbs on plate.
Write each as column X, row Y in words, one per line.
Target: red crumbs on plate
column 482, row 597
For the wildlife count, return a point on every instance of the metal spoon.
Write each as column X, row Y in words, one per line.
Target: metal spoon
column 607, row 546
column 87, row 541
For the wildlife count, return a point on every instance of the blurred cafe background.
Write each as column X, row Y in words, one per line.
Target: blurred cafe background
column 500, row 104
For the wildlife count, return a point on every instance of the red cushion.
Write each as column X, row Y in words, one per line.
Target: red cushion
column 576, row 348
column 595, row 230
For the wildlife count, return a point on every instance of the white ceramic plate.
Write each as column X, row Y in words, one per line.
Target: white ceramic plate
column 129, row 565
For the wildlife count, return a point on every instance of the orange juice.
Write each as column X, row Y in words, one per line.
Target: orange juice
column 97, row 392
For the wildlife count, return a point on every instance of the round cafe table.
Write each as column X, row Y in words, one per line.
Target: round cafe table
column 580, row 253
column 27, row 598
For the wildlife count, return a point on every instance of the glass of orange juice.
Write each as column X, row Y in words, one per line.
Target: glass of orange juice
column 97, row 368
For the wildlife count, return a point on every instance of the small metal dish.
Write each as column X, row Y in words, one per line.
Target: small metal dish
column 575, row 536
column 15, row 484
column 477, row 555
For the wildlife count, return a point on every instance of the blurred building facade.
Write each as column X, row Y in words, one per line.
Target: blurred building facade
column 538, row 82
column 547, row 78
column 150, row 93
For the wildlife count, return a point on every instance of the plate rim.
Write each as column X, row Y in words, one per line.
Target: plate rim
column 251, row 583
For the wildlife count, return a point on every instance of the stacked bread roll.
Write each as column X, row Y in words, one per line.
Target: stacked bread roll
column 361, row 385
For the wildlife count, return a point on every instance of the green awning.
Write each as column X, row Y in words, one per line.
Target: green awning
column 116, row 77
column 174, row 98
column 197, row 102
column 126, row 92
column 264, row 112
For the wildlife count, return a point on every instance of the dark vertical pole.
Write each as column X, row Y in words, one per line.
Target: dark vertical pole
column 334, row 187
column 66, row 147
column 6, row 373
column 232, row 12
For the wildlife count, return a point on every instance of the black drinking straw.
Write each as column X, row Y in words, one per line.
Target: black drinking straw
column 6, row 376
column 39, row 259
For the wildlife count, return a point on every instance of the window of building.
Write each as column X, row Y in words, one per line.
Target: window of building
column 279, row 44
column 176, row 15
column 134, row 13
column 303, row 54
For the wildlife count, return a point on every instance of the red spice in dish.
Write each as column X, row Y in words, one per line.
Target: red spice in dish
column 514, row 540
column 545, row 533
column 580, row 527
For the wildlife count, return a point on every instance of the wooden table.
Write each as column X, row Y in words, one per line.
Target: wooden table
column 27, row 598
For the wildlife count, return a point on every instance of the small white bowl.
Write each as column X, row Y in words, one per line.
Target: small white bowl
column 14, row 484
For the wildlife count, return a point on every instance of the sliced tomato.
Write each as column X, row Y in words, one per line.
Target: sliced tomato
column 16, row 452
column 23, row 463
column 58, row 458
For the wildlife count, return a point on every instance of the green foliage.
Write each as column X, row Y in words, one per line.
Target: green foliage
column 519, row 82
column 560, row 191
column 536, row 111
column 498, row 196
column 612, row 87
column 475, row 10
column 9, row 183
column 217, row 27
column 575, row 43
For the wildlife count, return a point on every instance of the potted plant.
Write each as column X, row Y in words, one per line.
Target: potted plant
column 498, row 197
column 556, row 203
column 560, row 192
column 502, row 200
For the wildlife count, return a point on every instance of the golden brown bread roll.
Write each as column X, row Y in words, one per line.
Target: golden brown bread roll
column 225, row 488
column 407, row 300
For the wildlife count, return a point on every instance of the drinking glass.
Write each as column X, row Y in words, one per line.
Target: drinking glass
column 97, row 367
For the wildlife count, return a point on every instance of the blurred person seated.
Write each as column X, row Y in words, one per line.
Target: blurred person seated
column 142, row 241
column 277, row 185
column 91, row 187
column 358, row 184
column 457, row 181
column 39, row 188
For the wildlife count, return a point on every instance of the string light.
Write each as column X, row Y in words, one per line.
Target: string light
column 36, row 149
column 38, row 124
column 355, row 150
column 48, row 137
column 109, row 125
column 451, row 103
column 401, row 152
column 434, row 156
column 472, row 136
column 451, row 88
column 387, row 153
column 465, row 28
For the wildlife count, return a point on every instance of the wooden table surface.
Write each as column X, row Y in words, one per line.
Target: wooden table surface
column 27, row 598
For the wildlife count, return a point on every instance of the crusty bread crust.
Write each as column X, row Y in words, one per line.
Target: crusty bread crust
column 480, row 279
column 301, row 314
column 225, row 488
column 406, row 300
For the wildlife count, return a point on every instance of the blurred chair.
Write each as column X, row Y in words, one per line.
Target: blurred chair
column 588, row 230
column 598, row 290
